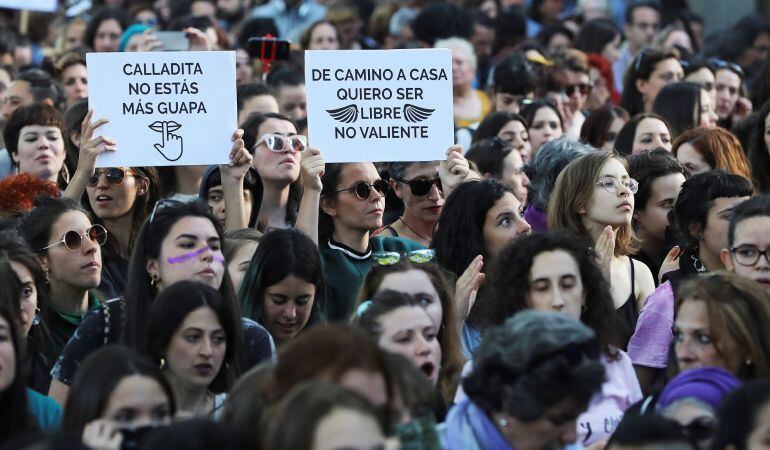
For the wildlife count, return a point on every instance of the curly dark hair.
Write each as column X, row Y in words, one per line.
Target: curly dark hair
column 459, row 235
column 507, row 287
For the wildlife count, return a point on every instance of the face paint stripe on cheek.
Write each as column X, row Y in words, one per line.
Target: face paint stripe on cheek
column 194, row 254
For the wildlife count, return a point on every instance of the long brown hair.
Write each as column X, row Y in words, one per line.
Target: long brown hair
column 452, row 359
column 573, row 190
column 738, row 310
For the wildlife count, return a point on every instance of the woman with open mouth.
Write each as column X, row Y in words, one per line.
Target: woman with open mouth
column 399, row 324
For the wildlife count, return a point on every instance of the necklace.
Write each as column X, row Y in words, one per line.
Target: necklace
column 428, row 240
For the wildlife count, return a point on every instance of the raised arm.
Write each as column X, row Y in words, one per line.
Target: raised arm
column 455, row 170
column 313, row 167
column 232, row 183
column 90, row 148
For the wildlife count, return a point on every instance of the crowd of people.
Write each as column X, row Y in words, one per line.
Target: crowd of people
column 589, row 266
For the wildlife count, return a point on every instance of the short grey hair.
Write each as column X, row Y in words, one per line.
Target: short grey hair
column 459, row 44
column 549, row 161
column 504, row 380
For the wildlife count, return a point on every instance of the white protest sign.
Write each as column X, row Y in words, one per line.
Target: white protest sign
column 30, row 5
column 380, row 105
column 164, row 108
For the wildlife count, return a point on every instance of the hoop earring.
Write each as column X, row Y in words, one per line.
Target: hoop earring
column 583, row 308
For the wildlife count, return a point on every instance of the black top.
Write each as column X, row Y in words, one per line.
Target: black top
column 105, row 325
column 629, row 312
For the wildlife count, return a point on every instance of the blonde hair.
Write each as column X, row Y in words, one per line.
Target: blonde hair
column 573, row 191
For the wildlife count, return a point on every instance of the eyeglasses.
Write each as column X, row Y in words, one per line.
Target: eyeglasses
column 717, row 64
column 160, row 204
column 363, row 189
column 584, row 89
column 278, row 143
column 416, row 256
column 748, row 255
column 612, row 185
column 421, row 186
column 74, row 240
column 115, row 175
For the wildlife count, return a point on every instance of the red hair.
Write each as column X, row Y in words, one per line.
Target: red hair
column 18, row 192
column 604, row 67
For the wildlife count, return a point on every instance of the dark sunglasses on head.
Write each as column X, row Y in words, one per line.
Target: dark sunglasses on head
column 363, row 190
column 717, row 64
column 165, row 203
column 115, row 175
column 584, row 89
column 421, row 186
column 74, row 240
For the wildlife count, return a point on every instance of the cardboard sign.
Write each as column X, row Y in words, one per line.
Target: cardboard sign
column 30, row 5
column 380, row 105
column 165, row 108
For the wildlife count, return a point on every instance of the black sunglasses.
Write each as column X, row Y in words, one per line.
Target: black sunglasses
column 584, row 89
column 421, row 186
column 363, row 190
column 717, row 64
column 115, row 175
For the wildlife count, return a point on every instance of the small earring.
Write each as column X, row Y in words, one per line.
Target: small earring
column 502, row 422
column 748, row 362
column 154, row 280
column 162, row 363
column 36, row 319
column 47, row 278
column 583, row 308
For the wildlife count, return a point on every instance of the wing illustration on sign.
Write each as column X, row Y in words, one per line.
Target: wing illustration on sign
column 346, row 114
column 170, row 146
column 416, row 114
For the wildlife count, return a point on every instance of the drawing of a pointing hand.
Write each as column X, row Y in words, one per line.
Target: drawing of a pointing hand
column 170, row 146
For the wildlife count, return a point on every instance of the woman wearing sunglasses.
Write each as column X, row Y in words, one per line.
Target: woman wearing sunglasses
column 179, row 242
column 276, row 144
column 594, row 198
column 352, row 201
column 69, row 248
column 418, row 185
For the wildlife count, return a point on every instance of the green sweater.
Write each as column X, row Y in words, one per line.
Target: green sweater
column 345, row 270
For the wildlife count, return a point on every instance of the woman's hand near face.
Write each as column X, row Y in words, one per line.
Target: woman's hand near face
column 467, row 287
column 90, row 149
column 670, row 263
column 454, row 170
column 232, row 175
column 102, row 434
column 313, row 167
